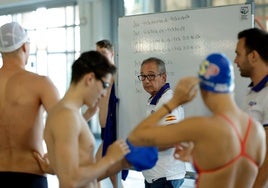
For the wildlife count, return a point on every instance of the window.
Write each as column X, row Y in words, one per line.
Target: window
column 55, row 41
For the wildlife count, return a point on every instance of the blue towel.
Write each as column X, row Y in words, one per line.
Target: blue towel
column 108, row 134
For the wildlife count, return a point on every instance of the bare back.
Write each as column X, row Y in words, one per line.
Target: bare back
column 228, row 147
column 22, row 97
column 233, row 152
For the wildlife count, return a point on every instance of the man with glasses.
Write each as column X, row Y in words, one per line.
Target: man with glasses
column 69, row 140
column 168, row 172
column 229, row 145
column 252, row 61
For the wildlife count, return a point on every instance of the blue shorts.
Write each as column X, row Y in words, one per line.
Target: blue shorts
column 20, row 179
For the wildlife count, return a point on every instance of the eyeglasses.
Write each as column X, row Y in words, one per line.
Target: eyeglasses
column 149, row 77
column 105, row 85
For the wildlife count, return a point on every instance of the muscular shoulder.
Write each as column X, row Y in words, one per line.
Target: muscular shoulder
column 26, row 87
column 37, row 79
column 29, row 80
column 63, row 119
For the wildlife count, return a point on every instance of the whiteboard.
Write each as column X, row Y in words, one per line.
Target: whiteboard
column 182, row 39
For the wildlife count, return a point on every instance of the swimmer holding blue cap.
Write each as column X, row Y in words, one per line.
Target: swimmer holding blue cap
column 142, row 157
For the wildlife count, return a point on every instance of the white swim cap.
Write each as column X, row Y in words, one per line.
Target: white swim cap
column 12, row 37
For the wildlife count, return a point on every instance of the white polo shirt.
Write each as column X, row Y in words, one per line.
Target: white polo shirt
column 166, row 166
column 256, row 102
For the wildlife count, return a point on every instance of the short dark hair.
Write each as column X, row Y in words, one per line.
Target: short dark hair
column 91, row 61
column 256, row 39
column 105, row 44
column 159, row 62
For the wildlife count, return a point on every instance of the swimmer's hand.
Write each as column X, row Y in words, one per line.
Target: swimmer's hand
column 183, row 151
column 43, row 163
column 117, row 151
column 185, row 90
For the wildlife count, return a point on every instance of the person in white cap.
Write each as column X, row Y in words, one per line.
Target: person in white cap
column 24, row 97
column 229, row 145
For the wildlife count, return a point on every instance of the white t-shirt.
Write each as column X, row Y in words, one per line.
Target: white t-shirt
column 166, row 166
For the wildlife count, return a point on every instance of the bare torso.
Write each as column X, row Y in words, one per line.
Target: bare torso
column 86, row 150
column 227, row 152
column 21, row 120
column 80, row 134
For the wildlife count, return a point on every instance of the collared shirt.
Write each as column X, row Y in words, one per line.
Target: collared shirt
column 256, row 101
column 167, row 166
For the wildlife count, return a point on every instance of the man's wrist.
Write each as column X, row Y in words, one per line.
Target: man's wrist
column 172, row 104
column 167, row 108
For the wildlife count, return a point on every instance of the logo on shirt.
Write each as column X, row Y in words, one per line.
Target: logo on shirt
column 208, row 69
column 170, row 118
column 212, row 70
column 252, row 103
column 244, row 12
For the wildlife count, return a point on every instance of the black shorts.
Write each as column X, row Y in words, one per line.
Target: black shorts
column 20, row 179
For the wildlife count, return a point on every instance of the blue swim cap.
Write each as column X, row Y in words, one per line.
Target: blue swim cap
column 216, row 74
column 142, row 157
